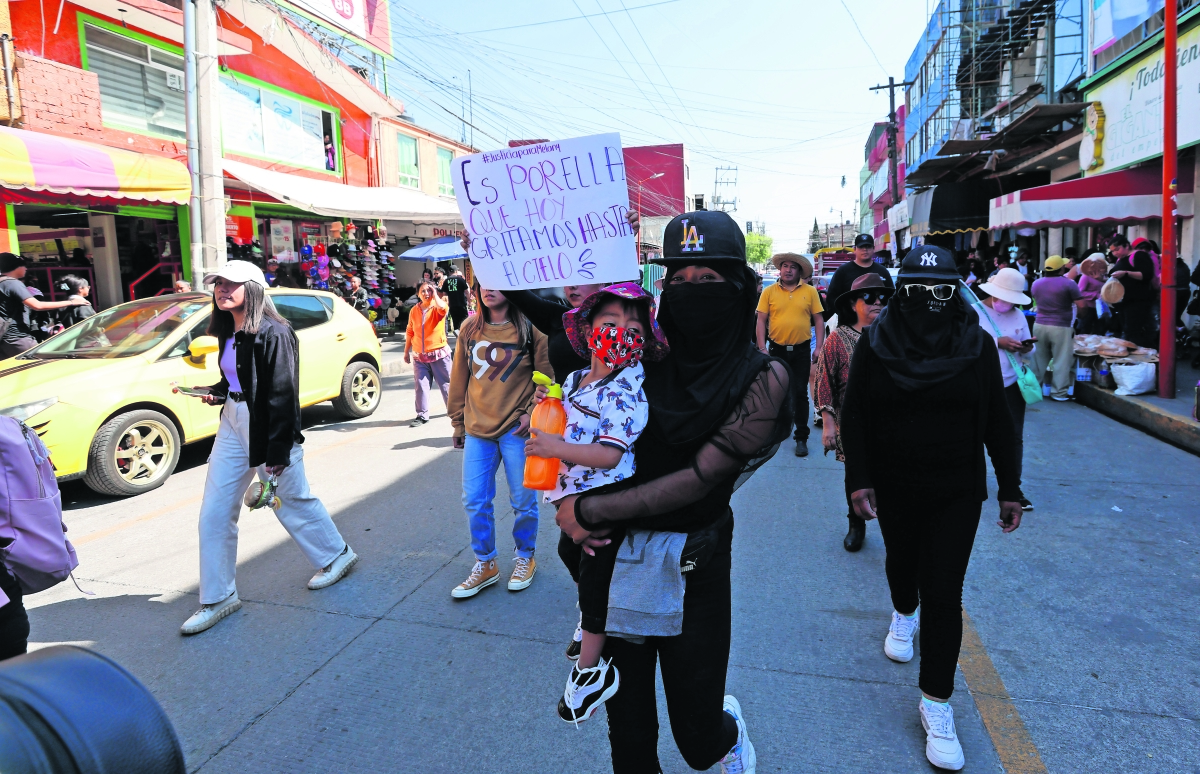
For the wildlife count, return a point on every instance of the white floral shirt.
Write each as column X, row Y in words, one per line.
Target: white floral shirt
column 612, row 411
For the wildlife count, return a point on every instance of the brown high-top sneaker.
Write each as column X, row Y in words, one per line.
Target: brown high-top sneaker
column 484, row 575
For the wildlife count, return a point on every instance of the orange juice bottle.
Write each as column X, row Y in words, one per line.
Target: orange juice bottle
column 549, row 417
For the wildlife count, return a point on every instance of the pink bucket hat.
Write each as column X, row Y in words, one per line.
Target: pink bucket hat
column 575, row 321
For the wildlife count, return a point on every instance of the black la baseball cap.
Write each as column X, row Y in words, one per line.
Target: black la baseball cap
column 929, row 262
column 705, row 234
column 864, row 240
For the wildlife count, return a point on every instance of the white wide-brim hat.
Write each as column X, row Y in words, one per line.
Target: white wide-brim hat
column 1008, row 285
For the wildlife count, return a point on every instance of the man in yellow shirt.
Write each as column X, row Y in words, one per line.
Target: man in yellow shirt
column 790, row 310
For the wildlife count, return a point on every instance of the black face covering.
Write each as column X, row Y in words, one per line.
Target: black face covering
column 712, row 361
column 923, row 341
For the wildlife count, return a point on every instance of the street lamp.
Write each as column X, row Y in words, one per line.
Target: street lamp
column 655, row 176
column 841, row 227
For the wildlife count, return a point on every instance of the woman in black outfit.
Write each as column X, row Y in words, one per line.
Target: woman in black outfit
column 925, row 387
column 718, row 409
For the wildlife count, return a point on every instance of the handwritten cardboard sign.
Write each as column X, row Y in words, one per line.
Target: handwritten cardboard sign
column 548, row 214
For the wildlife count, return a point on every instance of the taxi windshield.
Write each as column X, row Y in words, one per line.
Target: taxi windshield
column 123, row 331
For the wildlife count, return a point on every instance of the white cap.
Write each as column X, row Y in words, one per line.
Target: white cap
column 238, row 271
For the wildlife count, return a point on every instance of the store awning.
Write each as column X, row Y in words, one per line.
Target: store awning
column 950, row 208
column 325, row 197
column 1126, row 195
column 44, row 162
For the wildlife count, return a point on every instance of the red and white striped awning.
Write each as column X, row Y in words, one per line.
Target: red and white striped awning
column 1127, row 195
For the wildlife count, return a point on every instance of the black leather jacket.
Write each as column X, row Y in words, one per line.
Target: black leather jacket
column 268, row 367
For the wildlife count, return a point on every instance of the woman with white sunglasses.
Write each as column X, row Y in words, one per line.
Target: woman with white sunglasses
column 924, row 398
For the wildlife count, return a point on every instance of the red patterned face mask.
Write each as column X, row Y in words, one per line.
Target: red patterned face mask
column 616, row 347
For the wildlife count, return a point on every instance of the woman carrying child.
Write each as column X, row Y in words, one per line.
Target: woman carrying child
column 491, row 395
column 606, row 412
column 719, row 408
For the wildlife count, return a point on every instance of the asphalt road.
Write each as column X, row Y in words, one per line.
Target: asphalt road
column 1081, row 655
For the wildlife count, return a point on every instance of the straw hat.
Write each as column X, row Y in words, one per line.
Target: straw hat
column 806, row 267
column 1112, row 292
column 1008, row 285
column 1094, row 266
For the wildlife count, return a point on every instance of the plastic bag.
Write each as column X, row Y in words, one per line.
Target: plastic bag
column 1135, row 378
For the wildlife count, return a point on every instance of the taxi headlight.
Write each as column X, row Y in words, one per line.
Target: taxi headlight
column 26, row 411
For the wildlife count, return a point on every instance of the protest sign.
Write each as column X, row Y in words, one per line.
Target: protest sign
column 548, row 214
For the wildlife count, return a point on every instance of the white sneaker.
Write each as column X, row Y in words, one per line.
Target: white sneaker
column 898, row 645
column 741, row 759
column 208, row 615
column 586, row 690
column 336, row 571
column 941, row 742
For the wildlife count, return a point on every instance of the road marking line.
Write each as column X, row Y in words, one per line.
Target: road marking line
column 88, row 538
column 1018, row 755
column 103, row 533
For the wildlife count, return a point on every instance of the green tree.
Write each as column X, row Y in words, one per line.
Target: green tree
column 758, row 249
column 814, row 239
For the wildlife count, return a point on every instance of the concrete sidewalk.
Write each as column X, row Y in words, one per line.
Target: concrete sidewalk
column 1164, row 418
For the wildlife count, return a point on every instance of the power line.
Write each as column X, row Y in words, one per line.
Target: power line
column 540, row 23
column 864, row 37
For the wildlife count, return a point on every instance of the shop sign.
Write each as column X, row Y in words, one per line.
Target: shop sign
column 240, row 227
column 309, row 230
column 1128, row 126
column 550, row 213
column 1114, row 19
column 282, row 241
column 349, row 15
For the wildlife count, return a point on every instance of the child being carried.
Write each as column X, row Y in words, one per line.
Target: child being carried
column 606, row 412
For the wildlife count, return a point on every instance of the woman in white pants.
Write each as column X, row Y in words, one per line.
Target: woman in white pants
column 259, row 434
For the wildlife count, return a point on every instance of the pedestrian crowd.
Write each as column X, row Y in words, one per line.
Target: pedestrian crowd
column 668, row 402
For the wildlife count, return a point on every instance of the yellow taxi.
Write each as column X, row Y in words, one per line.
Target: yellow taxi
column 100, row 393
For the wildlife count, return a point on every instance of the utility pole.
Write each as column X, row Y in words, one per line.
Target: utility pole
column 891, row 135
column 196, row 240
column 1166, row 336
column 212, row 175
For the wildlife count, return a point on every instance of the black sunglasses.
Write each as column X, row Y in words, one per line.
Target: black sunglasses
column 873, row 297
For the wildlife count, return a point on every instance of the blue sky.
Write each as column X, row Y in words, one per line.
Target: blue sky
column 778, row 89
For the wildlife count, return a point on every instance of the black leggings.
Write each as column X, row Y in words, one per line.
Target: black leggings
column 928, row 549
column 14, row 621
column 693, row 672
column 593, row 576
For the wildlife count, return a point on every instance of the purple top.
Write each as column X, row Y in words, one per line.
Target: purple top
column 1089, row 289
column 228, row 363
column 1054, row 296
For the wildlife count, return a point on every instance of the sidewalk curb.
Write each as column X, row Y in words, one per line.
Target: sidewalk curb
column 1142, row 415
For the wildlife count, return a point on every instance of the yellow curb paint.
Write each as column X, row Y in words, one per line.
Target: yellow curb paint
column 1018, row 755
column 103, row 533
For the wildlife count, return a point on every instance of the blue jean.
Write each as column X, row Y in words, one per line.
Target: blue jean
column 481, row 459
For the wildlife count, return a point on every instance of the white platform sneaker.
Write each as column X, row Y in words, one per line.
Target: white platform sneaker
column 899, row 642
column 208, row 615
column 335, row 571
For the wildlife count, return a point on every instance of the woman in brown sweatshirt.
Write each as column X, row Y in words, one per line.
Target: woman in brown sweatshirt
column 491, row 395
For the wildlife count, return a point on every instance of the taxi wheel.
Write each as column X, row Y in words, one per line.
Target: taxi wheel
column 132, row 453
column 361, row 391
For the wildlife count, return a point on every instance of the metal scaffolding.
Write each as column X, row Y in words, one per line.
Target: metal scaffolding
column 982, row 64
